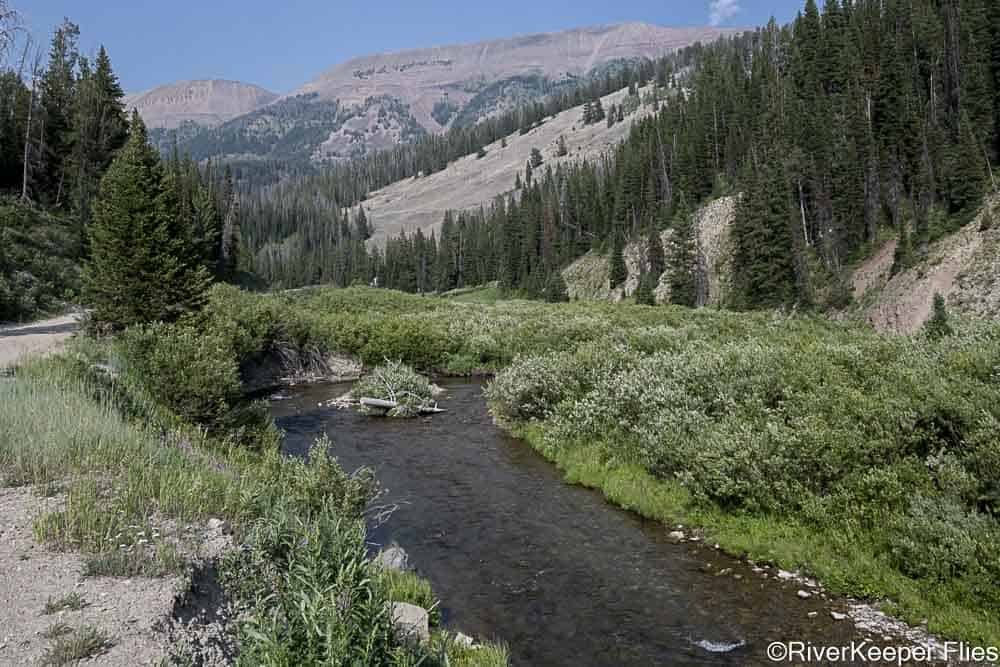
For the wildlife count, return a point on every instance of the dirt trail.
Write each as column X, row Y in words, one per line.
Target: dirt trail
column 38, row 338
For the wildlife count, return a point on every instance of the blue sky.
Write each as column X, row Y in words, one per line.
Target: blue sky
column 281, row 44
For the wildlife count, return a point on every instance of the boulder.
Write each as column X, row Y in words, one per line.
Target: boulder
column 412, row 623
column 393, row 558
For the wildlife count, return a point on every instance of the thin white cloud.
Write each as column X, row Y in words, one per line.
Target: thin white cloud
column 720, row 10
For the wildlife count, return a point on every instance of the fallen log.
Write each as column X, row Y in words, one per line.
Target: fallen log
column 389, row 405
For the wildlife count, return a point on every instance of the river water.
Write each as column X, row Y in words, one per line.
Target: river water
column 553, row 570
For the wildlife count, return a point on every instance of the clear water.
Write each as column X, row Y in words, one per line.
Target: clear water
column 553, row 570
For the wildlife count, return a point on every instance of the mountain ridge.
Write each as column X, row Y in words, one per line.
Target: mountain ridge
column 384, row 98
column 205, row 102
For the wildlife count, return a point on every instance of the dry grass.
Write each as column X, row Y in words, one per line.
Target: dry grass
column 69, row 602
column 71, row 646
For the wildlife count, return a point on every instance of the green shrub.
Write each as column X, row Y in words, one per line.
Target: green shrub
column 939, row 539
column 397, row 382
column 195, row 376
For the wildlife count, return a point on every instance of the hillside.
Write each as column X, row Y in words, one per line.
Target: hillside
column 588, row 277
column 207, row 102
column 964, row 267
column 373, row 102
column 470, row 182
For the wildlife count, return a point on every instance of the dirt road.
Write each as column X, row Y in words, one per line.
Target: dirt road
column 38, row 338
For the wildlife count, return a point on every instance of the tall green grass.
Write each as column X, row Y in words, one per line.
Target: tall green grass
column 307, row 592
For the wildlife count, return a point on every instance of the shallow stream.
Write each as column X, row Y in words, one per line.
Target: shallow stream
column 553, row 570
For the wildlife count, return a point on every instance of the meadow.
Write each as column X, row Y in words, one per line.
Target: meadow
column 868, row 460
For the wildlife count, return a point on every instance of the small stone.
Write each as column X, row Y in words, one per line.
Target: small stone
column 464, row 640
column 737, row 576
column 676, row 535
column 724, row 571
column 219, row 525
column 804, row 595
column 813, row 614
column 837, row 616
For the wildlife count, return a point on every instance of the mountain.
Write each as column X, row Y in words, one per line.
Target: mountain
column 459, row 75
column 374, row 102
column 206, row 102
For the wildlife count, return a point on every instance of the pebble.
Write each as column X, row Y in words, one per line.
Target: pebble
column 675, row 535
column 813, row 614
column 837, row 616
column 724, row 571
column 805, row 595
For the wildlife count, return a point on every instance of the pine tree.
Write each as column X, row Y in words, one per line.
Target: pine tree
column 644, row 292
column 535, row 160
column 230, row 237
column 58, row 93
column 561, row 149
column 362, row 228
column 682, row 258
column 598, row 111
column 617, row 272
column 937, row 326
column 141, row 268
column 555, row 290
column 654, row 254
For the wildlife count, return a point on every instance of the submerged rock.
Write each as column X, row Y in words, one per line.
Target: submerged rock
column 719, row 647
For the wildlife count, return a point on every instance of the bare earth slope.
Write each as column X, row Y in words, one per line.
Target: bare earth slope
column 962, row 267
column 470, row 182
column 422, row 77
column 205, row 102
